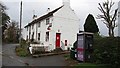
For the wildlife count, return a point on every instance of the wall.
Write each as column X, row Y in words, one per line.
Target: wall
column 67, row 22
column 64, row 20
column 119, row 18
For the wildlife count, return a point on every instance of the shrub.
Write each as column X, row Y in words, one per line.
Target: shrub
column 22, row 50
column 106, row 51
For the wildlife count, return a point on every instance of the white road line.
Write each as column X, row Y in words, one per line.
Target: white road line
column 1, row 52
column 11, row 57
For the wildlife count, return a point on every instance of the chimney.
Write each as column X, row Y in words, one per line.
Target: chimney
column 48, row 10
column 66, row 2
column 34, row 16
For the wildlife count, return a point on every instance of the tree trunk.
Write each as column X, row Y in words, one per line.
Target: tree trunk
column 111, row 32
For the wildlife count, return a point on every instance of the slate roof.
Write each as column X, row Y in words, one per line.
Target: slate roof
column 44, row 16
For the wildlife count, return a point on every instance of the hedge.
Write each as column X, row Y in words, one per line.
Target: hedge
column 107, row 51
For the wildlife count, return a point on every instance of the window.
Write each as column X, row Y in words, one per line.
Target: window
column 38, row 36
column 27, row 37
column 47, row 36
column 39, row 23
column 65, row 42
column 33, row 36
column 27, row 28
column 47, row 21
column 50, row 24
column 32, row 26
column 118, row 14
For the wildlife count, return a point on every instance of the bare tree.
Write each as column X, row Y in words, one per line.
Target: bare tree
column 108, row 16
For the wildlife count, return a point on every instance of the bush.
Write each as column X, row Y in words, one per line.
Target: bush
column 106, row 51
column 22, row 50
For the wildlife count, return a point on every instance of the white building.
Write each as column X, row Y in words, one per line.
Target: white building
column 119, row 18
column 56, row 29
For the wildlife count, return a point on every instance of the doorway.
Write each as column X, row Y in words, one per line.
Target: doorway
column 58, row 40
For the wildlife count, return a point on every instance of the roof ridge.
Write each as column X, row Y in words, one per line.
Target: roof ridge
column 44, row 16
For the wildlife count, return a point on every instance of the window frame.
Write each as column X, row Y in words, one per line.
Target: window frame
column 27, row 28
column 32, row 26
column 47, row 21
column 39, row 24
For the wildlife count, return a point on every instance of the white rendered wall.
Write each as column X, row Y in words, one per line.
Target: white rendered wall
column 24, row 33
column 119, row 19
column 67, row 22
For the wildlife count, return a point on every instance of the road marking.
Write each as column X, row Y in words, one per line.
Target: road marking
column 11, row 57
column 17, row 59
column 1, row 53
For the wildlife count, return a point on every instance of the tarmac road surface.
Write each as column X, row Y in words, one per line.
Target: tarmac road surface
column 9, row 58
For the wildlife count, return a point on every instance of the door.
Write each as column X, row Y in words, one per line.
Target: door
column 58, row 40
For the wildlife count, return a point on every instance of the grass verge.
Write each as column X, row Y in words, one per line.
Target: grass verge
column 91, row 65
column 76, row 64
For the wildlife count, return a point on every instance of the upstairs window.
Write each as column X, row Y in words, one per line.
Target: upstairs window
column 32, row 26
column 47, row 21
column 50, row 24
column 39, row 24
column 27, row 28
column 118, row 14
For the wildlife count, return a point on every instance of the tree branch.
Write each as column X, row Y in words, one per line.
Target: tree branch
column 114, row 16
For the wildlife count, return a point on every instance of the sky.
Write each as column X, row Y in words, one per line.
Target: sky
column 39, row 7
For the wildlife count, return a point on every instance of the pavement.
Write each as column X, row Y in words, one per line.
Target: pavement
column 51, row 54
column 9, row 58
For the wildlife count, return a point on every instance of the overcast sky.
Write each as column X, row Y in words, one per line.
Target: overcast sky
column 81, row 7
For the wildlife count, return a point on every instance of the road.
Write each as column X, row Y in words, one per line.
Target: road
column 10, row 58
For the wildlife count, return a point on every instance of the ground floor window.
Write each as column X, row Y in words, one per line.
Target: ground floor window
column 32, row 37
column 38, row 36
column 47, row 37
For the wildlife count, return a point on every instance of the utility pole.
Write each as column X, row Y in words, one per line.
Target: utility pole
column 20, row 20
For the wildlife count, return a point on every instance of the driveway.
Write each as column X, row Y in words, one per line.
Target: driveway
column 10, row 58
